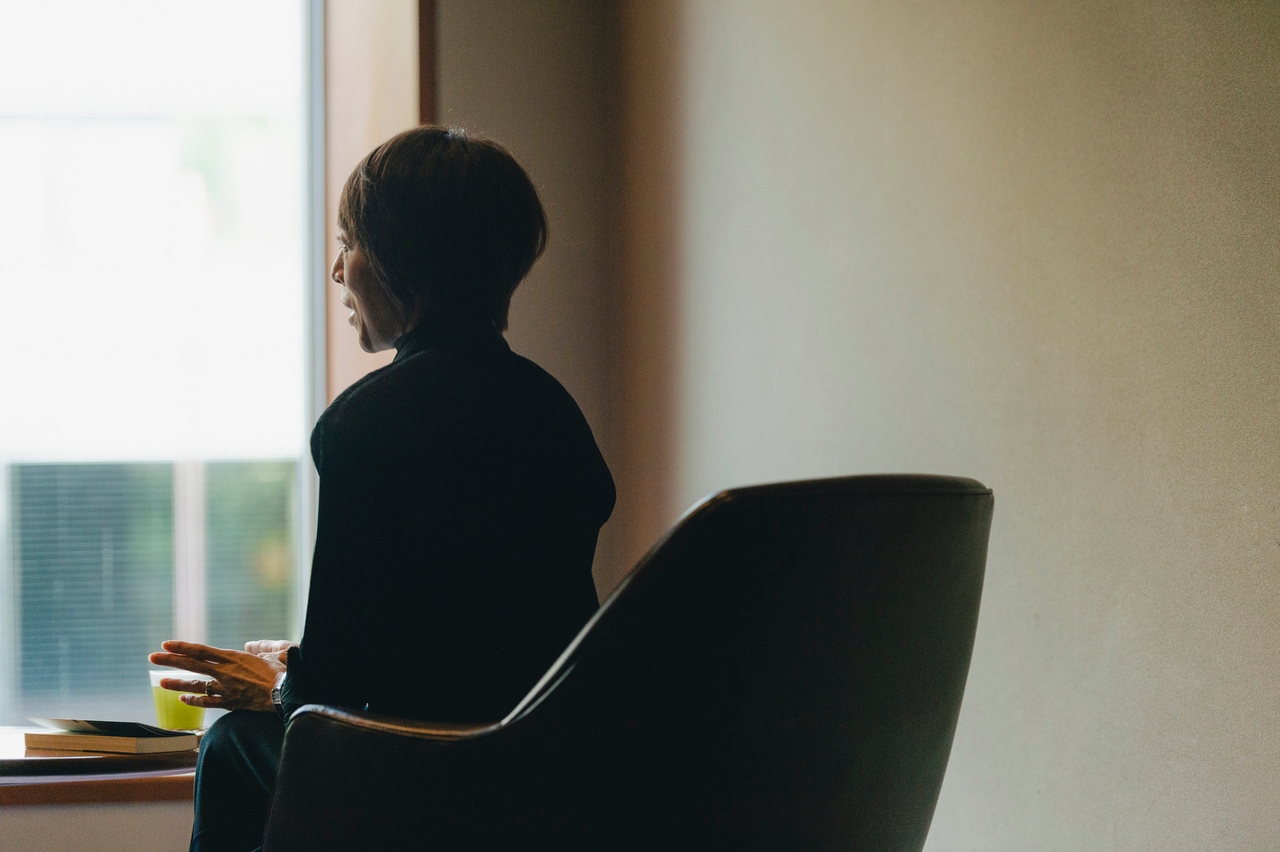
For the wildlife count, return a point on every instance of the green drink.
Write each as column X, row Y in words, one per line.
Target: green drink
column 171, row 713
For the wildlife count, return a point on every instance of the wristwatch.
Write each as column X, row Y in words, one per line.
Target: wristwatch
column 276, row 699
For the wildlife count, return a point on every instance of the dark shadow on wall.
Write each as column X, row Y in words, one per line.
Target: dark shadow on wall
column 651, row 266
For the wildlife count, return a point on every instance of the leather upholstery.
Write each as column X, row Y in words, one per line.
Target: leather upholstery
column 783, row 670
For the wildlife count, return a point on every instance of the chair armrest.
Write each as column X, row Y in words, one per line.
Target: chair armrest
column 341, row 774
column 394, row 725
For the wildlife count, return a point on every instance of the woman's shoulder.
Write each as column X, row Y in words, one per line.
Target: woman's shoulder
column 451, row 382
column 443, row 393
column 352, row 406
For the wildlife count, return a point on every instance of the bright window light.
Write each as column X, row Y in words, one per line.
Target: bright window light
column 151, row 159
column 152, row 370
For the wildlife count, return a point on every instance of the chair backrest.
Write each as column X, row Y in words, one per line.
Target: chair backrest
column 783, row 670
column 787, row 663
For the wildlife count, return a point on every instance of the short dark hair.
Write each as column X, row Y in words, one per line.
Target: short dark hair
column 450, row 222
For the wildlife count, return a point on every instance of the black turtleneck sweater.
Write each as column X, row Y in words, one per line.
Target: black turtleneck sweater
column 461, row 493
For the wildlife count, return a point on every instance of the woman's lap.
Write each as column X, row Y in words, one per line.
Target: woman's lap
column 234, row 779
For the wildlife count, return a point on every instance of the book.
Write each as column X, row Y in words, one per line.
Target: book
column 115, row 737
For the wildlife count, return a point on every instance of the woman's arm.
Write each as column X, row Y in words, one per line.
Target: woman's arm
column 355, row 527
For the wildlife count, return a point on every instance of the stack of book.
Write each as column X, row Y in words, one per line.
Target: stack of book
column 116, row 737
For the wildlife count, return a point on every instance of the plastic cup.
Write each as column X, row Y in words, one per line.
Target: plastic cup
column 171, row 713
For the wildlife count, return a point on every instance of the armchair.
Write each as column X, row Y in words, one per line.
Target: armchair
column 783, row 670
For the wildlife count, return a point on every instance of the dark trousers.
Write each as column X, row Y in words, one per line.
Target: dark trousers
column 235, row 775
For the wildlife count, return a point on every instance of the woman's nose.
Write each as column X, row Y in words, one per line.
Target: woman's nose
column 335, row 271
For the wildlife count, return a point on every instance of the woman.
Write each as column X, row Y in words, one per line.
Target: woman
column 461, row 490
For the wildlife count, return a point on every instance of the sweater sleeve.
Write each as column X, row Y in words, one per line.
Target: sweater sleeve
column 354, row 527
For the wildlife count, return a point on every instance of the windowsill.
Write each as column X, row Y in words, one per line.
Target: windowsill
column 164, row 788
column 74, row 778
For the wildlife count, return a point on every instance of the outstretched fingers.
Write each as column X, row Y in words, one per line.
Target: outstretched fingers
column 209, row 702
column 196, row 650
column 182, row 684
column 181, row 661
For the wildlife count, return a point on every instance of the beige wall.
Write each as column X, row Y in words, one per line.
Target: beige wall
column 1033, row 243
column 151, row 826
column 539, row 77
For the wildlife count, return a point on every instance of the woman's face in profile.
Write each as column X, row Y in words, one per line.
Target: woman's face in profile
column 374, row 315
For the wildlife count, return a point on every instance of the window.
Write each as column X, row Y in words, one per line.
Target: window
column 154, row 366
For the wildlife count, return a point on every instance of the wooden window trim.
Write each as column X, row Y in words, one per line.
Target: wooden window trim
column 426, row 61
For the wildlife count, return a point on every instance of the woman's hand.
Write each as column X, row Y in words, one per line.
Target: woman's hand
column 242, row 680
